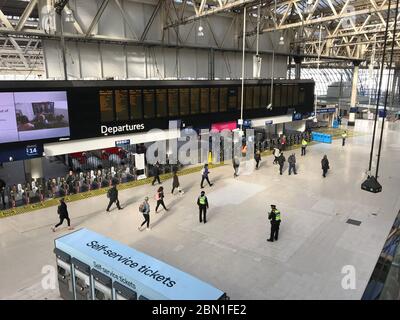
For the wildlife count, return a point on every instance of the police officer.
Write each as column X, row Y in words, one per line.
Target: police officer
column 275, row 219
column 202, row 202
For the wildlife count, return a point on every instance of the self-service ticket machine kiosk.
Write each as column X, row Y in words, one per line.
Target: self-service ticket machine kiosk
column 93, row 267
column 82, row 280
column 102, row 286
column 123, row 293
column 64, row 274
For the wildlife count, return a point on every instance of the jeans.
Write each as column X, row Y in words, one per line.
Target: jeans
column 146, row 219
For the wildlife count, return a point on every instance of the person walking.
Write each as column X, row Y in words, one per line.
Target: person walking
column 304, row 144
column 202, row 202
column 257, row 157
column 175, row 183
column 144, row 208
column 283, row 142
column 3, row 192
column 292, row 164
column 344, row 136
column 204, row 176
column 236, row 165
column 325, row 165
column 112, row 194
column 275, row 220
column 160, row 198
column 281, row 162
column 63, row 215
column 156, row 173
column 276, row 153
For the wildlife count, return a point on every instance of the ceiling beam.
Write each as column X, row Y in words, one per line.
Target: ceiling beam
column 25, row 15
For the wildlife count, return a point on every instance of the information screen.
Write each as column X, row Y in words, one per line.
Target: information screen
column 26, row 116
column 184, row 96
column 107, row 105
column 122, row 104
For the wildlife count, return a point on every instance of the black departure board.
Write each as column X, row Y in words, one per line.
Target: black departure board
column 195, row 100
column 223, row 99
column 256, row 97
column 184, row 101
column 204, row 100
column 232, row 98
column 121, row 105
column 148, row 103
column 173, row 106
column 214, row 100
column 135, row 101
column 161, row 99
column 284, row 96
column 106, row 105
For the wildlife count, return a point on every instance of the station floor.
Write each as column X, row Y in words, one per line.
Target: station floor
column 230, row 251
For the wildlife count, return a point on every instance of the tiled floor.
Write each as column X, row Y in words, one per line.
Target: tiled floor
column 231, row 251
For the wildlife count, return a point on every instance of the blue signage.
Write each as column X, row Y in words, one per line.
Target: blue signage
column 297, row 116
column 246, row 123
column 122, row 143
column 326, row 110
column 32, row 150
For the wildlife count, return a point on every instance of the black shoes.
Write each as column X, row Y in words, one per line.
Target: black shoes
column 270, row 240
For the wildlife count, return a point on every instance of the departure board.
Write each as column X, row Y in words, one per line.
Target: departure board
column 106, row 105
column 161, row 99
column 290, row 95
column 256, row 97
column 277, row 96
column 194, row 100
column 232, row 98
column 204, row 100
column 284, row 96
column 223, row 99
column 173, row 106
column 248, row 98
column 148, row 103
column 214, row 100
column 121, row 105
column 301, row 95
column 135, row 100
column 184, row 101
column 295, row 95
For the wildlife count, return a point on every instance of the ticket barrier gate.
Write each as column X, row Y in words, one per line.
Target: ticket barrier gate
column 81, row 277
column 123, row 293
column 102, row 286
column 64, row 274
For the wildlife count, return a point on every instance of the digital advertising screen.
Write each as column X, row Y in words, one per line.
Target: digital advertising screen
column 26, row 116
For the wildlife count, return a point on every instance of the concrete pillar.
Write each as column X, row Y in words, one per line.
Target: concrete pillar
column 353, row 97
column 33, row 168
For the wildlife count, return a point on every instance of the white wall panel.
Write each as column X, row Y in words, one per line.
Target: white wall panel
column 90, row 60
column 85, row 12
column 53, row 56
column 111, row 22
column 135, row 14
column 113, row 61
column 202, row 64
column 73, row 63
column 136, row 62
column 155, row 29
column 187, row 59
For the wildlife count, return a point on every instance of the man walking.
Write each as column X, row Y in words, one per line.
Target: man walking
column 344, row 136
column 63, row 214
column 257, row 157
column 112, row 194
column 281, row 161
column 292, row 164
column 156, row 173
column 202, row 202
column 204, row 176
column 275, row 220
column 325, row 165
column 236, row 164
column 303, row 146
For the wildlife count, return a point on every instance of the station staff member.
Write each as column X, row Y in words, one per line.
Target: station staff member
column 202, row 202
column 303, row 146
column 275, row 219
column 344, row 136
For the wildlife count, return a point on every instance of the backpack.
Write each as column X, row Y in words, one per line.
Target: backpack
column 142, row 207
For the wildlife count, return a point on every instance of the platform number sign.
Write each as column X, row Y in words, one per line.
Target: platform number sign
column 32, row 150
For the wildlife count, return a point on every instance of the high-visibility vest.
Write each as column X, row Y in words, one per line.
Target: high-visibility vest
column 277, row 215
column 202, row 200
column 344, row 135
column 304, row 142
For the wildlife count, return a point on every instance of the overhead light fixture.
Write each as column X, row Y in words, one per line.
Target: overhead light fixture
column 200, row 32
column 281, row 41
column 269, row 107
column 69, row 16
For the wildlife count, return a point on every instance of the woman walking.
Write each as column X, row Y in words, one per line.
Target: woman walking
column 160, row 198
column 63, row 213
column 175, row 183
column 145, row 210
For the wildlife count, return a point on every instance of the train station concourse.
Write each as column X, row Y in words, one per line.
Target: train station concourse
column 199, row 150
